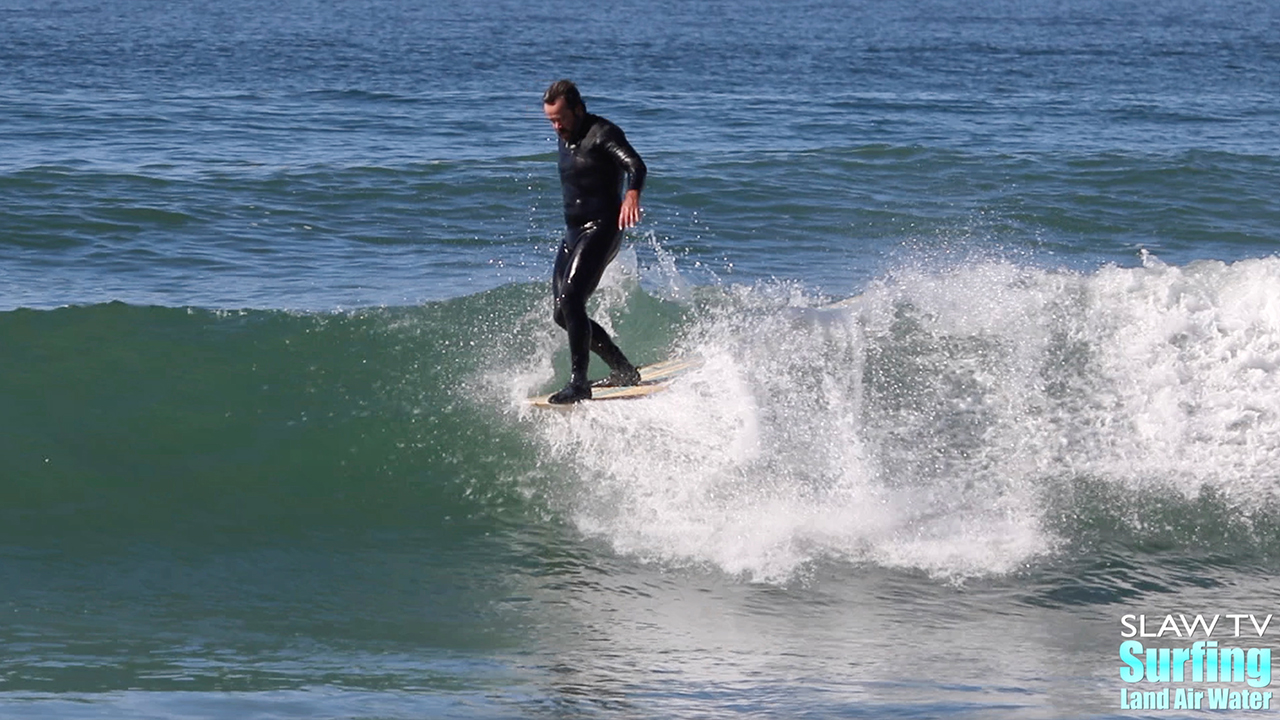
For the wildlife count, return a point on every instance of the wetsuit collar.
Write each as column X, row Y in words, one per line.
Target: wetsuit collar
column 581, row 129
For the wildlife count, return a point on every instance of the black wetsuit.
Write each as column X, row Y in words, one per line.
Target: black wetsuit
column 592, row 167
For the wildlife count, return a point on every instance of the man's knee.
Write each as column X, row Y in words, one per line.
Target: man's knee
column 568, row 304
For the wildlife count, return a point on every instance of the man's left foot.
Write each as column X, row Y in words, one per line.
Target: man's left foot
column 571, row 393
column 620, row 377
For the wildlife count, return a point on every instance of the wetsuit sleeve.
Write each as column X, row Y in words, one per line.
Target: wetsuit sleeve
column 615, row 144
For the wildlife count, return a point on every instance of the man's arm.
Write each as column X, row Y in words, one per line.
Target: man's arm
column 615, row 143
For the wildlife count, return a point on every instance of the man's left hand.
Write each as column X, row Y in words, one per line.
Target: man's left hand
column 630, row 214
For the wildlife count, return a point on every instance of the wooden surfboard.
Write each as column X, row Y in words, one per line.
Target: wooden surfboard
column 653, row 378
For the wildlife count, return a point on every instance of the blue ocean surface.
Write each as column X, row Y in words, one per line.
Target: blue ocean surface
column 985, row 297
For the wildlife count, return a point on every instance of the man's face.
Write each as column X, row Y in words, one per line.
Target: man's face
column 563, row 118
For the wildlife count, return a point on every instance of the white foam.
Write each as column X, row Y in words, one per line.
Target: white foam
column 1190, row 356
column 918, row 428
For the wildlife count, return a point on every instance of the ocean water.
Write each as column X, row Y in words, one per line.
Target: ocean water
column 986, row 294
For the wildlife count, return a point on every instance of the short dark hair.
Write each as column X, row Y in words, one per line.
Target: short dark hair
column 563, row 89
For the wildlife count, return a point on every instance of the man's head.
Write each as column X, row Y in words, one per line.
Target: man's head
column 563, row 106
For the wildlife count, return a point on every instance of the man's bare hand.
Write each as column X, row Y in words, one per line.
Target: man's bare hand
column 630, row 214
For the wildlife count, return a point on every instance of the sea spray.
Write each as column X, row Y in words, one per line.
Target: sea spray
column 929, row 424
column 1190, row 355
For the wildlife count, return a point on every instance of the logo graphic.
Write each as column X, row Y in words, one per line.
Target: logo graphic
column 1183, row 666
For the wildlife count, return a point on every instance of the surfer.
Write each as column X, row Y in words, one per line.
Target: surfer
column 594, row 158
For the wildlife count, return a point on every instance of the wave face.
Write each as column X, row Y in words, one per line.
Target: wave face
column 978, row 420
column 157, row 422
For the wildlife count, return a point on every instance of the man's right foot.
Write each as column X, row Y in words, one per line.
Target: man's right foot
column 620, row 377
column 571, row 393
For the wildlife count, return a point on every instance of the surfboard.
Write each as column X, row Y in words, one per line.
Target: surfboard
column 653, row 379
column 850, row 303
